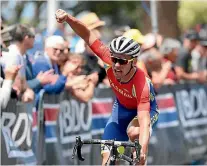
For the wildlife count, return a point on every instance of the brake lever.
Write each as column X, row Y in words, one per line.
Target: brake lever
column 77, row 148
column 79, row 153
column 74, row 151
column 137, row 149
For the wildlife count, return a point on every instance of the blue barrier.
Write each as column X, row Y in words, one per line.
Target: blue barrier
column 180, row 136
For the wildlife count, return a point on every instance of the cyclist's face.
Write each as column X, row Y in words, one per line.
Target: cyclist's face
column 121, row 64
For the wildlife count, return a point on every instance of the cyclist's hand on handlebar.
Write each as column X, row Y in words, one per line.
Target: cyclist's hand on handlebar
column 143, row 158
column 61, row 15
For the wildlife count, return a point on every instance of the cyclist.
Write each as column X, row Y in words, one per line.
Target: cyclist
column 133, row 90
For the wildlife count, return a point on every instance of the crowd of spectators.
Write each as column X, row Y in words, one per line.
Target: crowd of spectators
column 63, row 62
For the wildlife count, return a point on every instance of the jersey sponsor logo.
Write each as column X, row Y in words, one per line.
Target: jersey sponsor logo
column 126, row 90
column 152, row 97
column 120, row 90
column 134, row 91
column 154, row 118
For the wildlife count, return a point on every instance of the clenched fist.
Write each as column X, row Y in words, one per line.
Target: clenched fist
column 61, row 16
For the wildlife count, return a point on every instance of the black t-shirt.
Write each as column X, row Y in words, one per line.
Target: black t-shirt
column 184, row 60
column 92, row 66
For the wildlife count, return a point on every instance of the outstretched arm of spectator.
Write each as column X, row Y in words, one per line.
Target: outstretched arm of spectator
column 34, row 83
column 158, row 78
column 80, row 29
column 181, row 74
column 5, row 90
column 58, row 86
column 84, row 95
column 181, row 61
column 41, row 79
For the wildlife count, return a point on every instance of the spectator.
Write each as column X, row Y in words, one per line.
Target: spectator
column 41, row 79
column 184, row 60
column 135, row 34
column 6, row 88
column 199, row 56
column 81, row 86
column 54, row 48
column 5, row 39
column 23, row 37
column 79, row 61
column 201, row 61
column 64, row 57
column 157, row 70
column 151, row 41
column 169, row 51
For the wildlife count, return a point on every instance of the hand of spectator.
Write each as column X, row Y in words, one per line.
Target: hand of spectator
column 11, row 72
column 44, row 77
column 61, row 15
column 167, row 65
column 169, row 82
column 69, row 68
column 93, row 77
column 74, row 80
column 28, row 96
column 106, row 82
column 195, row 76
column 81, row 85
column 202, row 78
column 18, row 85
column 53, row 78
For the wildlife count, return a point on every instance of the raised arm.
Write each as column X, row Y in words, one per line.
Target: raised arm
column 99, row 48
column 79, row 28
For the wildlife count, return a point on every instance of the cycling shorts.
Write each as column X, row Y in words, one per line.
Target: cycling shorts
column 116, row 127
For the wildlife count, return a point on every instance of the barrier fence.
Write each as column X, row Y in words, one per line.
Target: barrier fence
column 179, row 137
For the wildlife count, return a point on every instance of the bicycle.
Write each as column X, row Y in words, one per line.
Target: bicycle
column 116, row 152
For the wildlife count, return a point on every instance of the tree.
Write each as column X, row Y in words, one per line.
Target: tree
column 191, row 13
column 167, row 19
column 119, row 12
column 19, row 7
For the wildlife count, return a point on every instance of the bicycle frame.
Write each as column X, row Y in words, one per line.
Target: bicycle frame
column 114, row 154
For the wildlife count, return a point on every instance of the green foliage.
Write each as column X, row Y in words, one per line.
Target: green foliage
column 120, row 12
column 191, row 13
column 19, row 7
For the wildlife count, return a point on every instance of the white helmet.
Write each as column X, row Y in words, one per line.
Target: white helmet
column 123, row 45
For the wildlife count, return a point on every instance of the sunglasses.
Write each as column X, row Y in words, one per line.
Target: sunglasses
column 57, row 49
column 121, row 61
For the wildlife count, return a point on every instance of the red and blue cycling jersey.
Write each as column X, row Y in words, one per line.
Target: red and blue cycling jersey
column 135, row 94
